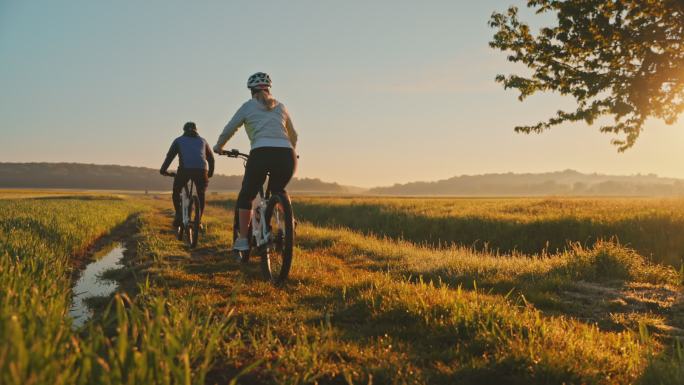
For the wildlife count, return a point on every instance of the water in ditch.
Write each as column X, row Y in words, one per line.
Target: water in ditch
column 91, row 284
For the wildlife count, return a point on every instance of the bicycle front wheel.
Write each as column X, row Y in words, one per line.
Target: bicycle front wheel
column 180, row 230
column 277, row 257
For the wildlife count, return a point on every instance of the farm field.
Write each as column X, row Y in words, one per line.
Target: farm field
column 383, row 291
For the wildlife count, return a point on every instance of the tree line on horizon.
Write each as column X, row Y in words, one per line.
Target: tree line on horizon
column 114, row 177
column 568, row 182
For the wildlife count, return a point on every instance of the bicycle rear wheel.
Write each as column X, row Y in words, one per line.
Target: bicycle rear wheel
column 193, row 224
column 276, row 259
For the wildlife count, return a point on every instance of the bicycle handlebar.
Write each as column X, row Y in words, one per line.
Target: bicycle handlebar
column 234, row 153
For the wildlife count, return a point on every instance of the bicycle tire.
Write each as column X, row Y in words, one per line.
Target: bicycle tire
column 188, row 229
column 180, row 231
column 193, row 224
column 244, row 255
column 282, row 243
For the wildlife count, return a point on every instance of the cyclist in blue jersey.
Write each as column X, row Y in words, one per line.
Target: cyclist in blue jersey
column 195, row 162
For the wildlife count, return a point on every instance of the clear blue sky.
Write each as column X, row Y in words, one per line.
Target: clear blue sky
column 381, row 92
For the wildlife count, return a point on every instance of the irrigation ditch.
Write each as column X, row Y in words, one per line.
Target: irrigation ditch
column 103, row 269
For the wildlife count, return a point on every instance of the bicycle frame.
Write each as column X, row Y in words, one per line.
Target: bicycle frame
column 188, row 225
column 186, row 194
column 260, row 230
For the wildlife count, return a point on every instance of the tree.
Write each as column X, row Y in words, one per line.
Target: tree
column 618, row 58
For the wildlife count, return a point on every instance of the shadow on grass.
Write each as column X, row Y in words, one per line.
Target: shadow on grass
column 79, row 198
column 49, row 234
column 667, row 367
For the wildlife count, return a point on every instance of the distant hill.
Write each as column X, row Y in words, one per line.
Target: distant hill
column 113, row 177
column 568, row 182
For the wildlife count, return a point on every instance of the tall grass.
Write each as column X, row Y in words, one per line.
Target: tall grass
column 605, row 261
column 37, row 237
column 653, row 227
column 152, row 340
column 362, row 308
column 482, row 338
column 358, row 308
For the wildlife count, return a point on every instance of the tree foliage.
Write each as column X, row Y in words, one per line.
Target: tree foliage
column 618, row 58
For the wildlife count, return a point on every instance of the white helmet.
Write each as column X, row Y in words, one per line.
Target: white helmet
column 259, row 79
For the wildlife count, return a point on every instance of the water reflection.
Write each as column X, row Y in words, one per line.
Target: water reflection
column 90, row 284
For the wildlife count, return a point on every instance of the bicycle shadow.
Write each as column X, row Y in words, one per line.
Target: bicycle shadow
column 214, row 260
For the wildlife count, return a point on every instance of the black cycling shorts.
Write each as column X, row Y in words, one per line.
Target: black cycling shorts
column 198, row 176
column 280, row 162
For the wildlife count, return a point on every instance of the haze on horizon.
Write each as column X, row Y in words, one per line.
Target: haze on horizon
column 381, row 93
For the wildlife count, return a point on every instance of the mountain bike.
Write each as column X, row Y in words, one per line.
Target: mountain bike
column 271, row 231
column 189, row 227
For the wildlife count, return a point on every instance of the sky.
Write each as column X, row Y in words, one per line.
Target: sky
column 380, row 92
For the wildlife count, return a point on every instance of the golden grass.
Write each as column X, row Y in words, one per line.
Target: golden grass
column 362, row 305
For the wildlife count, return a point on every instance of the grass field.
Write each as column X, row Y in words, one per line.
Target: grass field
column 654, row 227
column 424, row 291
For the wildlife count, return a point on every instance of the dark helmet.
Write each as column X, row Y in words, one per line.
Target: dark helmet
column 190, row 126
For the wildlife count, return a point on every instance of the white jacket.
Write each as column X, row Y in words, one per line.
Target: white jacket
column 264, row 128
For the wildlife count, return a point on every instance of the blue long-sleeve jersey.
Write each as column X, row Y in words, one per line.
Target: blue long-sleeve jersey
column 193, row 153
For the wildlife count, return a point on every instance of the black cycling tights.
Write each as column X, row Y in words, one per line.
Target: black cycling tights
column 280, row 162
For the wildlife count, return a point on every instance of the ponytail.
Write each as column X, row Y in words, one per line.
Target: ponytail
column 265, row 98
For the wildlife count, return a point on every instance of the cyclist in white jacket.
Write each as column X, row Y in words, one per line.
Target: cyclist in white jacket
column 273, row 140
